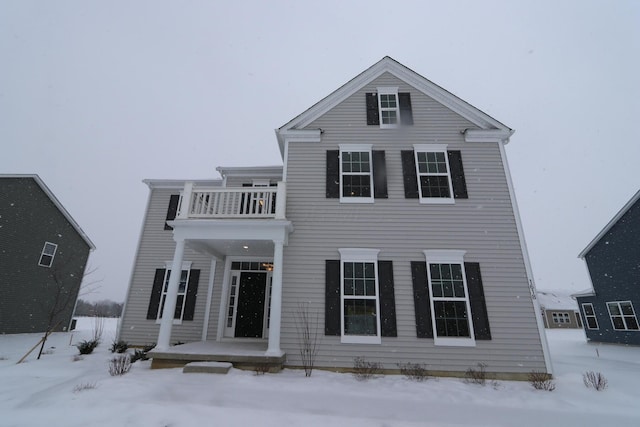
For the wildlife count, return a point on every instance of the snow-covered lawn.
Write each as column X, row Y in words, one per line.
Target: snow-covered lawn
column 45, row 392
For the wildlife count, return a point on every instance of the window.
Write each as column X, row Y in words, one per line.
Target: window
column 449, row 298
column 589, row 316
column 434, row 179
column 623, row 317
column 356, row 178
column 359, row 294
column 182, row 293
column 388, row 105
column 48, row 252
column 560, row 317
column 389, row 108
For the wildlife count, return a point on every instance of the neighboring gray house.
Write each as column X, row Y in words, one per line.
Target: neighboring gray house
column 43, row 256
column 559, row 310
column 393, row 221
column 610, row 308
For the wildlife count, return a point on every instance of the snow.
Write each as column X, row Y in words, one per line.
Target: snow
column 556, row 300
column 49, row 392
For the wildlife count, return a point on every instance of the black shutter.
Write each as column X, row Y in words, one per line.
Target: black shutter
column 156, row 293
column 379, row 175
column 406, row 115
column 333, row 174
column 172, row 211
column 457, row 175
column 387, row 299
column 373, row 115
column 192, row 292
column 424, row 328
column 332, row 298
column 410, row 175
column 476, row 300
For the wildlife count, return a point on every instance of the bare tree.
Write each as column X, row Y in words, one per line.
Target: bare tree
column 308, row 336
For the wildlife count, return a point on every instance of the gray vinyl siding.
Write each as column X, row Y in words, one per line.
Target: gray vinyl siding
column 483, row 225
column 156, row 247
column 28, row 219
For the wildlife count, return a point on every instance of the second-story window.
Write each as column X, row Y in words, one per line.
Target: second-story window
column 434, row 179
column 47, row 255
column 388, row 102
column 356, row 178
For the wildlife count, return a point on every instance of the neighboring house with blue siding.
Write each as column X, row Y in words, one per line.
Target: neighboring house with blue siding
column 43, row 256
column 392, row 221
column 610, row 309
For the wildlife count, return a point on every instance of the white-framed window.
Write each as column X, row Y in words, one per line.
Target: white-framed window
column 389, row 107
column 48, row 253
column 359, row 296
column 560, row 317
column 623, row 316
column 434, row 173
column 449, row 296
column 182, row 291
column 589, row 316
column 356, row 173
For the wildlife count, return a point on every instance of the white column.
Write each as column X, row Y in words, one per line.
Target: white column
column 276, row 301
column 164, row 336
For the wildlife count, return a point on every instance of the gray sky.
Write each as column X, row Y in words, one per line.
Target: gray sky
column 96, row 96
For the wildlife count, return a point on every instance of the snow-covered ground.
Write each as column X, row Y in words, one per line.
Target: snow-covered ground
column 46, row 392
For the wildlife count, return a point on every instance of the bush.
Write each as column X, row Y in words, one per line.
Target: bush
column 87, row 346
column 414, row 371
column 119, row 365
column 364, row 370
column 119, row 346
column 476, row 376
column 142, row 354
column 594, row 380
column 541, row 381
column 85, row 386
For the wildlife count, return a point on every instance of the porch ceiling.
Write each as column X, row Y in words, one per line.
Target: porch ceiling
column 219, row 248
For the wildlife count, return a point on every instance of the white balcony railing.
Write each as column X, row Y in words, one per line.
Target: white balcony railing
column 245, row 202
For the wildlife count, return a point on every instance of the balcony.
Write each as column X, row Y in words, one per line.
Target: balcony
column 244, row 202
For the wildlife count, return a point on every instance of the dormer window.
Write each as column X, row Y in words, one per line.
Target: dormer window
column 388, row 105
column 388, row 108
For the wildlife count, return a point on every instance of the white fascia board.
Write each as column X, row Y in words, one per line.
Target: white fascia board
column 179, row 183
column 389, row 65
column 296, row 135
column 251, row 171
column 488, row 135
column 57, row 203
column 610, row 224
column 585, row 293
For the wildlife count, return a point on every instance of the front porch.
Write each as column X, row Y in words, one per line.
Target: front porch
column 243, row 355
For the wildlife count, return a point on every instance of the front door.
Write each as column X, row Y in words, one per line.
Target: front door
column 250, row 311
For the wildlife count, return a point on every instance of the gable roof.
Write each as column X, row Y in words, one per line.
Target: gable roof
column 611, row 223
column 390, row 65
column 56, row 202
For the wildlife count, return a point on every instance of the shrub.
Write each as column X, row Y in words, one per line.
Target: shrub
column 120, row 365
column 414, row 371
column 307, row 326
column 98, row 328
column 87, row 346
column 142, row 354
column 541, row 381
column 84, row 386
column 119, row 346
column 364, row 370
column 476, row 376
column 594, row 380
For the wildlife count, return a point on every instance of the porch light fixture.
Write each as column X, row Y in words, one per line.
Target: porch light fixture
column 245, row 247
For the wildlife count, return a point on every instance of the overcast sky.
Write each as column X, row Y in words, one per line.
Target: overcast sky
column 96, row 96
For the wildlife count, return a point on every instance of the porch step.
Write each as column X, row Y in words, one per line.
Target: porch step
column 207, row 367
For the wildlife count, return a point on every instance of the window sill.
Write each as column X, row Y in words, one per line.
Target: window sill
column 360, row 339
column 356, row 200
column 455, row 342
column 437, row 201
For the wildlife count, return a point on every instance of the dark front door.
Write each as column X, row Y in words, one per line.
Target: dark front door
column 250, row 314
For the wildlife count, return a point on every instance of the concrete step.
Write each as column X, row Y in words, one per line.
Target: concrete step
column 207, row 367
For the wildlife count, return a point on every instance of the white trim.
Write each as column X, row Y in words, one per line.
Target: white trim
column 527, row 261
column 285, row 161
column 622, row 315
column 356, row 148
column 610, row 224
column 178, row 184
column 388, row 91
column 207, row 307
column 488, row 135
column 224, row 299
column 286, row 136
column 586, row 316
column 52, row 255
column 449, row 256
column 186, row 265
column 360, row 255
column 433, row 148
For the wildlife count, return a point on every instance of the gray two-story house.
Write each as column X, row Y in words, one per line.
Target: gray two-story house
column 609, row 308
column 43, row 256
column 392, row 221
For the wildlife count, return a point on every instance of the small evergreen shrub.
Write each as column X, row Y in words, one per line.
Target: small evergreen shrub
column 119, row 346
column 541, row 381
column 87, row 346
column 594, row 380
column 142, row 354
column 476, row 376
column 364, row 370
column 119, row 365
column 414, row 371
